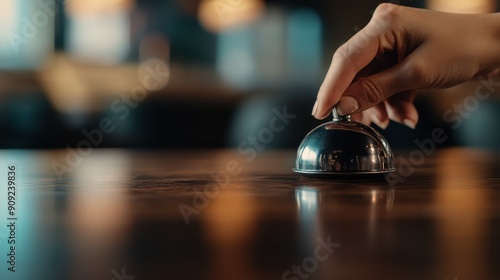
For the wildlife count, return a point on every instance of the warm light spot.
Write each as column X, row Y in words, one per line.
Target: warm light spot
column 217, row 15
column 462, row 6
column 230, row 217
column 71, row 89
column 98, row 211
column 97, row 6
column 374, row 196
column 460, row 211
column 230, row 226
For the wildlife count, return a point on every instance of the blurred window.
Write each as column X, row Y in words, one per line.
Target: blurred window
column 99, row 31
column 26, row 33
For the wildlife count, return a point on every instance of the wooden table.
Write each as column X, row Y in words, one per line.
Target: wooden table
column 161, row 215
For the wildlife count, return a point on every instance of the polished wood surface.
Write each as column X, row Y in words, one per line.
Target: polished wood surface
column 162, row 215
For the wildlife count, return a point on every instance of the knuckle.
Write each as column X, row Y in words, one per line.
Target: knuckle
column 418, row 73
column 387, row 12
column 371, row 91
column 344, row 54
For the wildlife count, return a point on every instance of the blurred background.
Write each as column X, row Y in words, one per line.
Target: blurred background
column 194, row 73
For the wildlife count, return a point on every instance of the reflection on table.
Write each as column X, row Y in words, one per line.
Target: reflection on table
column 162, row 215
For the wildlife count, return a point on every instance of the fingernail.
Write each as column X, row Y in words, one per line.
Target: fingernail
column 380, row 124
column 409, row 123
column 315, row 108
column 347, row 105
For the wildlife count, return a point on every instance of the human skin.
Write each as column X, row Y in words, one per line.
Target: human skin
column 373, row 76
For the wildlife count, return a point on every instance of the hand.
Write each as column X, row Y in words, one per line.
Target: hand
column 373, row 76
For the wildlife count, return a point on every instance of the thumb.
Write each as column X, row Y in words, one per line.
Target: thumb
column 408, row 74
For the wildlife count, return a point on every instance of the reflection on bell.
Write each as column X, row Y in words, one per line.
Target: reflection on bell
column 343, row 147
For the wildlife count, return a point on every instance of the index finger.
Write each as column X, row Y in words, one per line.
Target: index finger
column 347, row 61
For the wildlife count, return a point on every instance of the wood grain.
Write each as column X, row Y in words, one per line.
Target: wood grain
column 118, row 208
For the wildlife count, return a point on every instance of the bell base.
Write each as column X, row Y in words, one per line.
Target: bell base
column 364, row 175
